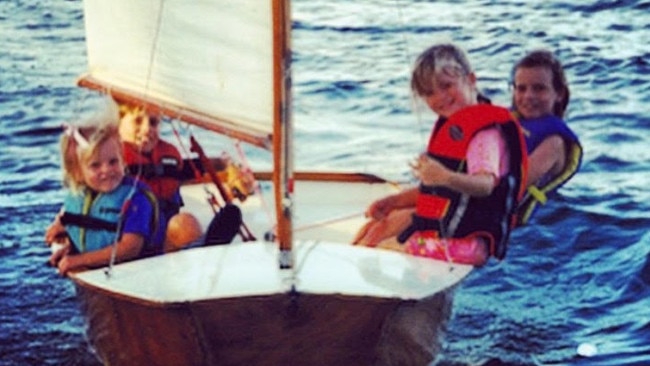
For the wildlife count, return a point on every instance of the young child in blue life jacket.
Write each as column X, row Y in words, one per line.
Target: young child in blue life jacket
column 103, row 208
column 471, row 176
column 540, row 98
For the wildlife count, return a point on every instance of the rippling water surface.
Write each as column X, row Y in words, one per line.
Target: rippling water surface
column 578, row 275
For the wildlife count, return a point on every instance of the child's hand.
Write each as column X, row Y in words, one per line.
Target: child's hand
column 430, row 171
column 379, row 209
column 59, row 251
column 64, row 265
column 55, row 231
column 70, row 263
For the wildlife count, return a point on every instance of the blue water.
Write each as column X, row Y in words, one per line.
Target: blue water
column 580, row 274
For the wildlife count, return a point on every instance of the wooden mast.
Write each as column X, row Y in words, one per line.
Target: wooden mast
column 282, row 129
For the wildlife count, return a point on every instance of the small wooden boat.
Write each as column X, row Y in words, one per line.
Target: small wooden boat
column 299, row 294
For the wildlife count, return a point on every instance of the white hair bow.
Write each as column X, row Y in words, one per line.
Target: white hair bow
column 73, row 132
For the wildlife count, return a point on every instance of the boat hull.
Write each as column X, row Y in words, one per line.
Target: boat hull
column 232, row 304
column 278, row 329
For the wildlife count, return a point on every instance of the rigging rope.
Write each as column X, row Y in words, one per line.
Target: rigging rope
column 118, row 234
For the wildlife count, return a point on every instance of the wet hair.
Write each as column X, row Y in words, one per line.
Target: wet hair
column 79, row 143
column 545, row 58
column 446, row 58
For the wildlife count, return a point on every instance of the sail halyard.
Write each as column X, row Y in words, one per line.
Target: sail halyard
column 282, row 141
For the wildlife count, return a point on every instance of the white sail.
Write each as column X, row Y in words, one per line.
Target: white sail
column 160, row 50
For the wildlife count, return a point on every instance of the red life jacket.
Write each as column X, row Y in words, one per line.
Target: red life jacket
column 451, row 214
column 160, row 170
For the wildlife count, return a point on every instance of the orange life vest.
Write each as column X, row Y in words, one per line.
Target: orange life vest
column 449, row 213
column 160, row 170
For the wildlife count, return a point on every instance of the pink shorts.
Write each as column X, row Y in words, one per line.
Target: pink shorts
column 470, row 250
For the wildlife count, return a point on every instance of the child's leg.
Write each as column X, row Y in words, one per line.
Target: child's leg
column 391, row 244
column 376, row 231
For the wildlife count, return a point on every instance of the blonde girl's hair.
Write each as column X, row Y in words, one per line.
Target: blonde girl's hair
column 81, row 142
column 545, row 58
column 446, row 58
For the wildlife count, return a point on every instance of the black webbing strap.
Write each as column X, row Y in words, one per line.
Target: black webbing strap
column 87, row 222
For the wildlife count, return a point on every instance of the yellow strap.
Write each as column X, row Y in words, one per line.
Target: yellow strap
column 88, row 202
column 539, row 195
column 155, row 217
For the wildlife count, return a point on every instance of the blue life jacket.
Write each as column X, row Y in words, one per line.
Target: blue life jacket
column 537, row 130
column 92, row 220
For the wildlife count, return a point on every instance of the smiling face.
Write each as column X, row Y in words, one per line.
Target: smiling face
column 534, row 95
column 140, row 129
column 450, row 92
column 103, row 170
column 444, row 79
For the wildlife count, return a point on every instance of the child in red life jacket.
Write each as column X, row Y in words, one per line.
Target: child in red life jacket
column 158, row 164
column 471, row 175
column 153, row 160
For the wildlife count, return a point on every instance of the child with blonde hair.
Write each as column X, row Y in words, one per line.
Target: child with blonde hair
column 471, row 175
column 105, row 213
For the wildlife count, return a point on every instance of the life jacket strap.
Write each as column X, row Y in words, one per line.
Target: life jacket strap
column 154, row 170
column 538, row 194
column 419, row 223
column 87, row 222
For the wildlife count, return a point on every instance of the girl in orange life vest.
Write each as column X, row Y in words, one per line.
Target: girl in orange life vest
column 445, row 81
column 101, row 200
column 540, row 98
